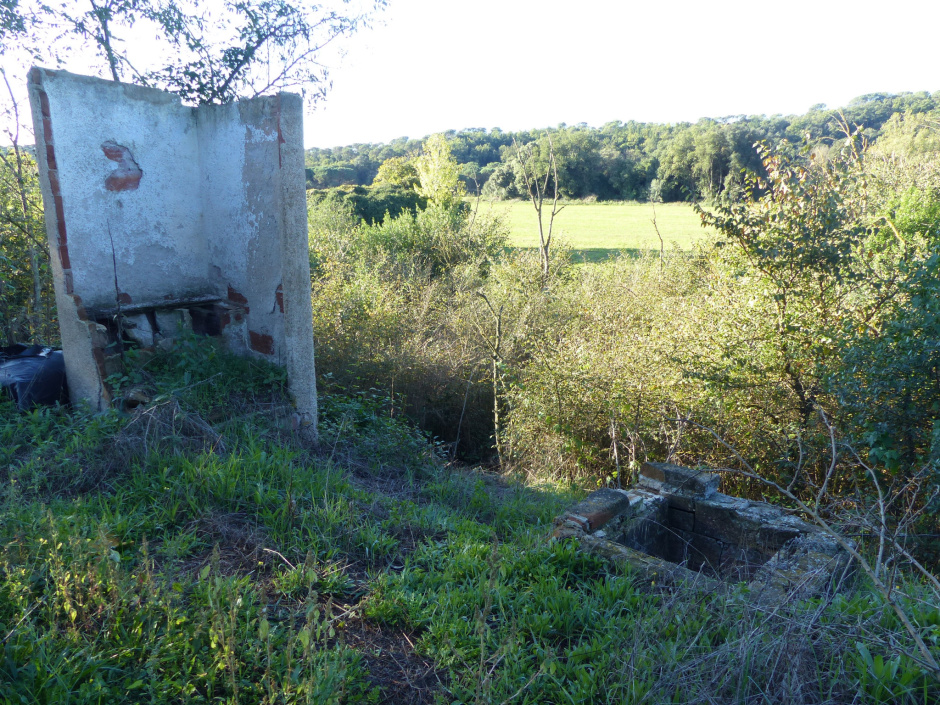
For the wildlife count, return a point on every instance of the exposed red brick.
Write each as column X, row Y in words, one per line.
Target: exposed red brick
column 113, row 151
column 224, row 320
column 60, row 227
column 54, row 182
column 125, row 298
column 122, row 182
column 279, row 297
column 598, row 508
column 128, row 174
column 67, row 277
column 44, row 104
column 261, row 342
column 59, row 209
column 50, row 157
column 47, row 130
column 64, row 257
column 236, row 297
column 79, row 306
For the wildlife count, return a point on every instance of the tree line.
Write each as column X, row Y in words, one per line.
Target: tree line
column 629, row 160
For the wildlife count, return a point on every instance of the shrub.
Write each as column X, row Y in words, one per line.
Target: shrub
column 370, row 203
column 27, row 302
column 386, row 313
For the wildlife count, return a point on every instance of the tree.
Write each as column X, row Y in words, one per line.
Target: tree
column 439, row 174
column 397, row 171
column 710, row 160
column 578, row 161
column 207, row 54
column 537, row 174
column 25, row 284
column 676, row 160
column 500, row 181
column 910, row 134
column 809, row 239
column 12, row 22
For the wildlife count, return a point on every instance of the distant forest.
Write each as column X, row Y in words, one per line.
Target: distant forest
column 637, row 160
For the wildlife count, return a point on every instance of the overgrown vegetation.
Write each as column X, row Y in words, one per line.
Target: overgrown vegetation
column 180, row 554
column 819, row 265
column 797, row 342
column 27, row 306
column 183, row 553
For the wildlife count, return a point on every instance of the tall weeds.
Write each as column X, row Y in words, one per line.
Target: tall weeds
column 816, row 293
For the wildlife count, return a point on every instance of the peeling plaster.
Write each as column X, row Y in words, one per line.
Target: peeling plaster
column 203, row 209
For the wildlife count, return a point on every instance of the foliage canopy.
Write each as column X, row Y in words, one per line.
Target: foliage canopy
column 207, row 52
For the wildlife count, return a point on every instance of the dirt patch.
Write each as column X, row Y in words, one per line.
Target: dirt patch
column 165, row 423
column 403, row 676
column 238, row 546
column 392, row 481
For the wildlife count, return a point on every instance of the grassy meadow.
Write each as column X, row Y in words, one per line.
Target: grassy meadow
column 183, row 554
column 596, row 231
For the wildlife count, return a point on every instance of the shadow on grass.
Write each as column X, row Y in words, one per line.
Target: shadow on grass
column 596, row 255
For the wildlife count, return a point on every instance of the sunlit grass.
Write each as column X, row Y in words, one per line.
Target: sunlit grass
column 262, row 572
column 597, row 230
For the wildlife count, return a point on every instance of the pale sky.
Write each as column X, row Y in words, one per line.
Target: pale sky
column 433, row 65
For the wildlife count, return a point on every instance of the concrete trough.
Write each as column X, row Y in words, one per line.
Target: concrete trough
column 676, row 526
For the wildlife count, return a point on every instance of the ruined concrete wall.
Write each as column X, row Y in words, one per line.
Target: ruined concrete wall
column 127, row 165
column 676, row 524
column 295, row 265
column 254, row 194
column 149, row 201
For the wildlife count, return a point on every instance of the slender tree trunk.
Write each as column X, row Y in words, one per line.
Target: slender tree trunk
column 33, row 253
column 496, row 356
column 102, row 12
column 497, row 421
column 536, row 191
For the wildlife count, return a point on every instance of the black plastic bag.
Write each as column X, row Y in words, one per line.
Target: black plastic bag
column 33, row 375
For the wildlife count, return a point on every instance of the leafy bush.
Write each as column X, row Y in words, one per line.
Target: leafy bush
column 372, row 204
column 812, row 312
column 27, row 302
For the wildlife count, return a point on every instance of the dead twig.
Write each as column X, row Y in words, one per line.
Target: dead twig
column 926, row 659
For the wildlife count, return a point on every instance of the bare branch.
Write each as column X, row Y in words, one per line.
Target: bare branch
column 926, row 658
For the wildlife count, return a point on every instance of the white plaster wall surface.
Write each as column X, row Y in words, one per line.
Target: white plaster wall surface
column 295, row 271
column 219, row 209
column 240, row 174
column 156, row 229
column 225, row 218
column 262, row 179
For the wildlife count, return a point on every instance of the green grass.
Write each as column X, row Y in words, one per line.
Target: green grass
column 596, row 231
column 154, row 558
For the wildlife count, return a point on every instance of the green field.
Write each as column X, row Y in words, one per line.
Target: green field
column 598, row 230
